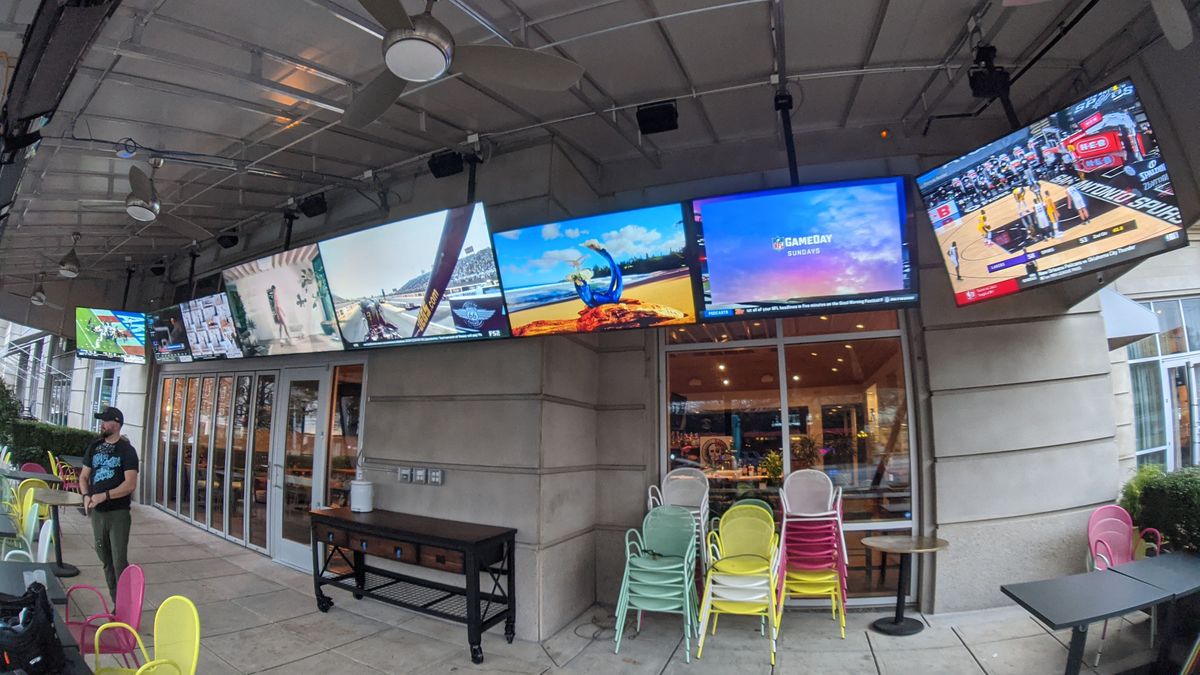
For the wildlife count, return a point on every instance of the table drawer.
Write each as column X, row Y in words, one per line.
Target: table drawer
column 330, row 535
column 402, row 551
column 442, row 559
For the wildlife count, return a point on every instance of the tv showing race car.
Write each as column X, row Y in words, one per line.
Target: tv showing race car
column 110, row 335
column 281, row 304
column 211, row 333
column 1080, row 190
column 167, row 336
column 831, row 247
column 430, row 278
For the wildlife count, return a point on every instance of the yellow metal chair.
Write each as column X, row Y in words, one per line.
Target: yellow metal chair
column 18, row 505
column 176, row 641
column 744, row 575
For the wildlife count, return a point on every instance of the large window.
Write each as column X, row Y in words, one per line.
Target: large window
column 1164, row 374
column 749, row 402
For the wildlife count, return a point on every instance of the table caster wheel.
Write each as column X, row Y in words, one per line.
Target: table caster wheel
column 509, row 637
column 476, row 654
column 324, row 603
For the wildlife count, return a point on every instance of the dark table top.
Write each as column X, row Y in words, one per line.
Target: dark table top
column 1176, row 573
column 12, row 580
column 13, row 474
column 1082, row 599
column 75, row 461
column 433, row 528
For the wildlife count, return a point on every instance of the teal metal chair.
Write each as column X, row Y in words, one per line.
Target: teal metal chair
column 660, row 571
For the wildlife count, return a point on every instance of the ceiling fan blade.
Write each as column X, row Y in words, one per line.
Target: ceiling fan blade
column 140, row 184
column 51, row 305
column 515, row 66
column 18, row 295
column 389, row 13
column 185, row 228
column 1175, row 22
column 370, row 102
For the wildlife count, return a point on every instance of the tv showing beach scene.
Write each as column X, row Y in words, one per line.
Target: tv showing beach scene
column 612, row 271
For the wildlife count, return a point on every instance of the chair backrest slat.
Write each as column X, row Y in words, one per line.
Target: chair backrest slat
column 807, row 491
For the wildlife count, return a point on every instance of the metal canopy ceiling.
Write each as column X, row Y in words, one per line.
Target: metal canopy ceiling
column 254, row 90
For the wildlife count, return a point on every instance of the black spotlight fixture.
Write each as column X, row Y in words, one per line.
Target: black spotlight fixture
column 655, row 118
column 990, row 82
column 445, row 163
column 227, row 239
column 158, row 269
column 313, row 206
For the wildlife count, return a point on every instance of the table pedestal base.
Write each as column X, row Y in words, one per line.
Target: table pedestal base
column 906, row 626
column 64, row 570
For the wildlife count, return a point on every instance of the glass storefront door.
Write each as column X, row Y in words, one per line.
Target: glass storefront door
column 1180, row 384
column 298, row 461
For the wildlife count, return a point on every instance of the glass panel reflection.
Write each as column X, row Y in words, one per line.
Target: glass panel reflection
column 170, row 465
column 343, row 433
column 203, row 449
column 220, row 450
column 299, row 443
column 264, row 404
column 189, row 446
column 237, row 456
column 164, row 437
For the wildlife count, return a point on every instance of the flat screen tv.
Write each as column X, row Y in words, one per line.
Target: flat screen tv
column 167, row 337
column 834, row 247
column 110, row 335
column 425, row 279
column 211, row 332
column 281, row 304
column 607, row 272
column 1080, row 190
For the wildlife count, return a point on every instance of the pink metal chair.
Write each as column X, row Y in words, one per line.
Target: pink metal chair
column 33, row 467
column 1111, row 537
column 131, row 590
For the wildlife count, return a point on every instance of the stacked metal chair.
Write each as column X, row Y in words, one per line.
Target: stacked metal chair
column 687, row 488
column 660, row 570
column 744, row 573
column 814, row 544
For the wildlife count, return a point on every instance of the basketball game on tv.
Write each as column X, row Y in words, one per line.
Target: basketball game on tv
column 1082, row 189
column 814, row 248
column 607, row 272
column 424, row 279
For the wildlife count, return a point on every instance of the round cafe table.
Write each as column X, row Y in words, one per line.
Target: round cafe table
column 906, row 546
column 55, row 499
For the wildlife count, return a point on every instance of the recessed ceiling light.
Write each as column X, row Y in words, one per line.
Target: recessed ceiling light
column 812, row 353
column 834, row 369
column 824, row 318
column 859, row 326
column 849, row 346
column 725, row 382
column 724, row 337
column 757, row 323
column 720, row 366
column 841, row 360
column 695, row 382
column 795, row 378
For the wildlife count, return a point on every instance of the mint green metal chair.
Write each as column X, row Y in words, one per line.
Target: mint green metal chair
column 660, row 571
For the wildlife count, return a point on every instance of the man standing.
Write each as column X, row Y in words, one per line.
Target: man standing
column 109, row 475
column 952, row 253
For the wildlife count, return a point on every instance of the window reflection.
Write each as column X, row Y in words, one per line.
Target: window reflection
column 343, row 433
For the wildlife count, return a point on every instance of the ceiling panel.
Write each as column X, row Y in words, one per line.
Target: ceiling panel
column 722, row 46
column 748, row 113
column 819, row 39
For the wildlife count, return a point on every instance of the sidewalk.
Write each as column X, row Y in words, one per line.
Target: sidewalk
column 260, row 617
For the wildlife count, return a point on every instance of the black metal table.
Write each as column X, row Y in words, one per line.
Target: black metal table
column 1081, row 599
column 55, row 499
column 1175, row 573
column 468, row 549
column 12, row 582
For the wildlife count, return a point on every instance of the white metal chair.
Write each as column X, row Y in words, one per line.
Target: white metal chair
column 44, row 542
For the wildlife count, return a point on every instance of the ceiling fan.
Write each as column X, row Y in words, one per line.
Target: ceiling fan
column 142, row 204
column 69, row 265
column 38, row 297
column 1172, row 17
column 420, row 48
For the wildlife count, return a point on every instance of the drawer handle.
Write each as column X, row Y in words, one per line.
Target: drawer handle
column 362, row 543
column 399, row 552
column 329, row 536
column 441, row 559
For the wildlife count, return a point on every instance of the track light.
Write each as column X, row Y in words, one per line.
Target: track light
column 227, row 240
column 69, row 265
column 445, row 163
column 313, row 206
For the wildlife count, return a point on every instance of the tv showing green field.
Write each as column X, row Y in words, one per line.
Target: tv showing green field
column 110, row 335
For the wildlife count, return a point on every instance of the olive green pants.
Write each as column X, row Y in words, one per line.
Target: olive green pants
column 111, row 529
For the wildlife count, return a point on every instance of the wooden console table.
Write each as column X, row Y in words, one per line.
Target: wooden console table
column 451, row 546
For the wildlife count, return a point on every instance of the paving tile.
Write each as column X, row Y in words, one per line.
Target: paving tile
column 721, row 661
column 492, row 663
column 826, row 663
column 1021, row 656
column 567, row 643
column 279, row 605
column 325, row 663
column 645, row 651
column 329, row 630
column 260, row 648
column 930, row 638
column 211, row 664
column 991, row 631
column 219, row 618
column 938, row 661
column 189, row 569
column 398, row 651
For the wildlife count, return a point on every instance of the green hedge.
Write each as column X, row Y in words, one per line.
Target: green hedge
column 50, row 437
column 1171, row 504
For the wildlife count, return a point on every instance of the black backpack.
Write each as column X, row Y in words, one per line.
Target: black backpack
column 28, row 641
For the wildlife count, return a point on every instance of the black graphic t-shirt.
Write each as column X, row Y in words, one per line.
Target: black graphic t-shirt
column 109, row 462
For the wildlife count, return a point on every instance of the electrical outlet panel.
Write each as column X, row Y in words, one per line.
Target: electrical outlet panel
column 419, row 474
column 405, row 474
column 436, row 476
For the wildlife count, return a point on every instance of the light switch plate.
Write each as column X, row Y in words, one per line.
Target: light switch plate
column 435, row 476
column 405, row 474
column 419, row 474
